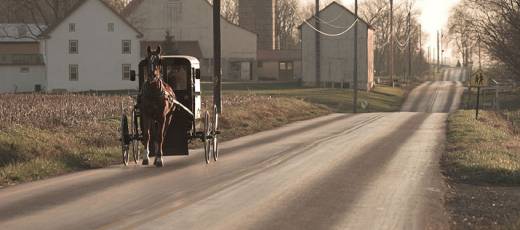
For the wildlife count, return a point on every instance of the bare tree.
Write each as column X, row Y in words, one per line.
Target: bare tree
column 229, row 10
column 118, row 5
column 377, row 14
column 496, row 24
column 286, row 17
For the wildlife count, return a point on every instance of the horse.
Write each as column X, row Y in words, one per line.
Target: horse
column 157, row 107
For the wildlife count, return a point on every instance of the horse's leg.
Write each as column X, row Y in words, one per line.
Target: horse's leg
column 146, row 139
column 160, row 140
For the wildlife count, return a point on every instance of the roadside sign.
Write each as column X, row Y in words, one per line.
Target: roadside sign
column 478, row 79
column 364, row 104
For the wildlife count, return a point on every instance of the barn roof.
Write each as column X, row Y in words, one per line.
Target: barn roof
column 51, row 28
column 19, row 32
column 135, row 3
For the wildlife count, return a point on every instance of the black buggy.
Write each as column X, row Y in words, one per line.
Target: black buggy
column 182, row 73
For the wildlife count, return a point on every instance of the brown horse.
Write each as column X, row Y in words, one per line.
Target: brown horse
column 157, row 106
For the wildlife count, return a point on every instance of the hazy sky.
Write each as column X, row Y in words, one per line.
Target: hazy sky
column 434, row 14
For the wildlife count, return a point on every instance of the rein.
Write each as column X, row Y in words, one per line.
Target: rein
column 170, row 98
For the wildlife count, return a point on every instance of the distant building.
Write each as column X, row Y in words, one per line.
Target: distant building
column 259, row 16
column 336, row 55
column 91, row 48
column 21, row 65
column 190, row 23
column 272, row 63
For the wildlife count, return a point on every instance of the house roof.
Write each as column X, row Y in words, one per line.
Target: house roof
column 189, row 48
column 343, row 7
column 19, row 32
column 51, row 28
column 21, row 59
column 135, row 3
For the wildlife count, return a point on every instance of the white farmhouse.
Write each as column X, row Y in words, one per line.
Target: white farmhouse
column 191, row 22
column 92, row 48
column 337, row 52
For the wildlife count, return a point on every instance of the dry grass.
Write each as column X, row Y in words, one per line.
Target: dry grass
column 484, row 151
column 482, row 163
column 381, row 99
column 47, row 135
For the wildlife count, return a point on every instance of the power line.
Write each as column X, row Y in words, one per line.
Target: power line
column 329, row 24
column 329, row 34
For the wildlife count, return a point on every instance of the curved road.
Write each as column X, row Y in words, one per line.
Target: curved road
column 366, row 171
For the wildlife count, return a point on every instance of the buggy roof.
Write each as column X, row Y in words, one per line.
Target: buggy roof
column 193, row 61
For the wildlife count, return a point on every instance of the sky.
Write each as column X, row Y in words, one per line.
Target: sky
column 434, row 15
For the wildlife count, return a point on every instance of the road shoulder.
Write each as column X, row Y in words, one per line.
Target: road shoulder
column 482, row 167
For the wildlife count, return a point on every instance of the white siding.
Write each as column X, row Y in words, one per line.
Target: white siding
column 195, row 23
column 337, row 59
column 12, row 79
column 100, row 56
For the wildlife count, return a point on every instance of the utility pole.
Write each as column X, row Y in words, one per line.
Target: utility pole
column 217, row 70
column 420, row 42
column 318, row 45
column 392, row 42
column 478, row 80
column 355, row 60
column 409, row 49
column 438, row 53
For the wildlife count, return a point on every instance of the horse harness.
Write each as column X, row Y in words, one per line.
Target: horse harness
column 166, row 94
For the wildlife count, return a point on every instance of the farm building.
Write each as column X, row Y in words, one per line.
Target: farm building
column 190, row 23
column 21, row 65
column 272, row 62
column 337, row 52
column 79, row 52
column 85, row 52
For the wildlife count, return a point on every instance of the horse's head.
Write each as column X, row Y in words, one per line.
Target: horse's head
column 154, row 62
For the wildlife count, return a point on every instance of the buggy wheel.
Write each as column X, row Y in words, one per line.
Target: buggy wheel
column 125, row 138
column 215, row 131
column 135, row 136
column 205, row 138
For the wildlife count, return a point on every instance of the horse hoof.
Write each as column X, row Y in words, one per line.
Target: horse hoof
column 145, row 162
column 158, row 163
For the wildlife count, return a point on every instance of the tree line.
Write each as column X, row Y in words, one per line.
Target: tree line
column 492, row 25
column 289, row 14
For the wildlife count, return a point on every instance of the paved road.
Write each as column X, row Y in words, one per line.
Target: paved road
column 366, row 171
column 440, row 96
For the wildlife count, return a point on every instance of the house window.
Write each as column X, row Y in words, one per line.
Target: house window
column 126, row 71
column 126, row 47
column 260, row 64
column 283, row 66
column 110, row 27
column 73, row 73
column 73, row 46
column 24, row 70
column 72, row 27
column 289, row 65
